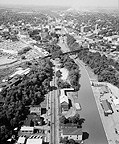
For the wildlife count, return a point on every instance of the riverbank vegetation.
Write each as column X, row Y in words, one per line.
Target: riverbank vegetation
column 69, row 64
column 75, row 120
column 27, row 90
column 106, row 69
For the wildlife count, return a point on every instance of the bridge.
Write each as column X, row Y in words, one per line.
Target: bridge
column 70, row 52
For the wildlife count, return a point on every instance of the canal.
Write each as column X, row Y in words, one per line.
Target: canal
column 93, row 124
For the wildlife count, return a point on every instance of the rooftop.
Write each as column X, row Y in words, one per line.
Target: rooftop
column 64, row 99
column 33, row 140
column 21, row 140
column 72, row 131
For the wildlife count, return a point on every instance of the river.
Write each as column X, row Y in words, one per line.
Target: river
column 93, row 124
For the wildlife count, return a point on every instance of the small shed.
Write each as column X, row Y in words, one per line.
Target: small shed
column 77, row 106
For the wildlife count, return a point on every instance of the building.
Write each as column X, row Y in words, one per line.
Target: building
column 35, row 109
column 64, row 101
column 72, row 133
column 68, row 125
column 116, row 103
column 34, row 139
column 104, row 89
column 21, row 140
column 106, row 107
column 27, row 129
column 20, row 72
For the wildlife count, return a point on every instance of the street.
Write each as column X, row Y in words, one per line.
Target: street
column 54, row 118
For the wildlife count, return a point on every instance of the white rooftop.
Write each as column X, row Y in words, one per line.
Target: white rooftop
column 21, row 140
column 21, row 72
column 77, row 106
column 116, row 101
column 27, row 128
column 34, row 141
column 64, row 99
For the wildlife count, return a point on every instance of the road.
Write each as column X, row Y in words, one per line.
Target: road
column 54, row 118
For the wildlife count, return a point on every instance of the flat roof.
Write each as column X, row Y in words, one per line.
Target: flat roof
column 106, row 105
column 72, row 131
column 25, row 128
column 116, row 101
column 77, row 106
column 34, row 141
column 21, row 140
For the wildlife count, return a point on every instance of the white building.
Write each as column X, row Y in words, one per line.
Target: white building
column 21, row 140
column 34, row 140
column 27, row 129
column 20, row 72
column 72, row 133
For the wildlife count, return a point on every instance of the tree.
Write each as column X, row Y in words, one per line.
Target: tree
column 62, row 84
column 59, row 74
column 23, row 57
column 62, row 119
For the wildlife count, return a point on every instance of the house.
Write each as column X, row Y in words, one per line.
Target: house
column 64, row 101
column 72, row 133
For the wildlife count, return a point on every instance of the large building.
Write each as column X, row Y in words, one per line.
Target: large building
column 72, row 133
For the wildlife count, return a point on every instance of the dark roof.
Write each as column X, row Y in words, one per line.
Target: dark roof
column 106, row 105
column 69, row 125
column 32, row 117
column 64, row 104
column 72, row 131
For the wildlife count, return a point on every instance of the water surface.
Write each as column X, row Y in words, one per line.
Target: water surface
column 93, row 124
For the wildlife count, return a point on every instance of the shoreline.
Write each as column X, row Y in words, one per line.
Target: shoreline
column 108, row 127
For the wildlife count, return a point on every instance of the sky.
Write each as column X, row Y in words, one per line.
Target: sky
column 73, row 3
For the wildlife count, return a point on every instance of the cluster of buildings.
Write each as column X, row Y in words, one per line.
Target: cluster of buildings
column 35, row 129
column 66, row 102
column 108, row 101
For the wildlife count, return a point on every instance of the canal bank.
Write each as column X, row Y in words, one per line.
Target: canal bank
column 93, row 124
column 109, row 123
